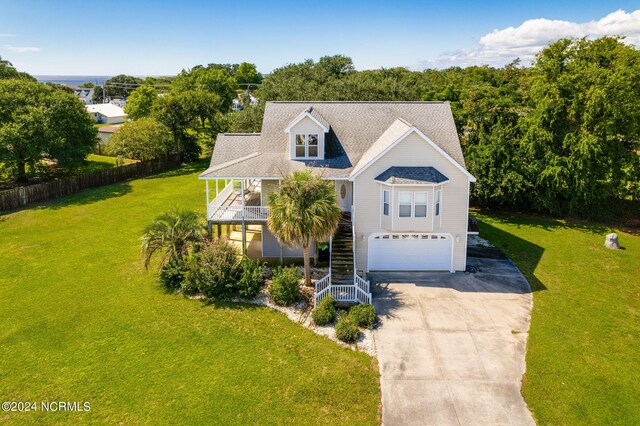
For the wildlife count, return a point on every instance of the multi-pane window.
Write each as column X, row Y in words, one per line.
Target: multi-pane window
column 420, row 204
column 385, row 202
column 307, row 145
column 300, row 145
column 404, row 204
column 437, row 203
column 412, row 204
column 312, row 145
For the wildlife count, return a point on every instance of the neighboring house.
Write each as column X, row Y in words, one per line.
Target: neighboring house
column 238, row 106
column 106, row 113
column 84, row 94
column 399, row 175
column 105, row 132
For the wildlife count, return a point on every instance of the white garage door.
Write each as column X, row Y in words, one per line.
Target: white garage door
column 410, row 252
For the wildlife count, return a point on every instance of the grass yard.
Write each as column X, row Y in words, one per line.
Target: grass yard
column 583, row 353
column 81, row 320
column 97, row 162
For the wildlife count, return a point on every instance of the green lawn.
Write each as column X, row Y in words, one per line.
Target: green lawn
column 81, row 320
column 97, row 162
column 583, row 355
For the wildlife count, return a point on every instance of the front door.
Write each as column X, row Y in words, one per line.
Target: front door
column 345, row 194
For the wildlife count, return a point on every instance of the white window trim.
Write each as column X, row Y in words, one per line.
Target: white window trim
column 388, row 203
column 413, row 205
column 404, row 204
column 306, row 146
column 426, row 205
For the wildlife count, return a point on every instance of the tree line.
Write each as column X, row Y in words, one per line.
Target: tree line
column 560, row 136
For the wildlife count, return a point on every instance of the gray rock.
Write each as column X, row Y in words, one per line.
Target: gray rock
column 611, row 241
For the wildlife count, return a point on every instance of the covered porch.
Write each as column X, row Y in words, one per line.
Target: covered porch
column 237, row 201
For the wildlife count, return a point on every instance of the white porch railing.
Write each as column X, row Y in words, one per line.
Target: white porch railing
column 217, row 211
column 357, row 292
column 234, row 213
column 363, row 289
column 323, row 287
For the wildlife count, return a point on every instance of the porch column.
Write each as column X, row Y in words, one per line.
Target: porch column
column 244, row 226
column 206, row 182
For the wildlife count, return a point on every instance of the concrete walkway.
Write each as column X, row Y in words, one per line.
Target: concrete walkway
column 451, row 347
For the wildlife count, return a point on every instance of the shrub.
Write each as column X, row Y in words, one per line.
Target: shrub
column 143, row 139
column 363, row 314
column 347, row 329
column 325, row 312
column 172, row 275
column 251, row 278
column 285, row 286
column 214, row 270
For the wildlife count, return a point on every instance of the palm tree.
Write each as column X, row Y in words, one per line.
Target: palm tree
column 304, row 208
column 174, row 233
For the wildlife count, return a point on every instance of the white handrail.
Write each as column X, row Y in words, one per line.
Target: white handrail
column 322, row 288
column 234, row 213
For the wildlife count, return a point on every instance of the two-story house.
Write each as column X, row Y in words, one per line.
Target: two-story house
column 399, row 175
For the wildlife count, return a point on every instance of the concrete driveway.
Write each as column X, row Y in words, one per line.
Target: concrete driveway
column 451, row 347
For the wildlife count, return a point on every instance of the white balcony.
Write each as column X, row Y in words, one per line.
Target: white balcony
column 239, row 201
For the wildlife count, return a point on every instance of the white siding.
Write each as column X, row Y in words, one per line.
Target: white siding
column 412, row 151
column 306, row 126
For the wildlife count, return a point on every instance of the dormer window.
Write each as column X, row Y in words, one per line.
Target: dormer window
column 307, row 136
column 307, row 145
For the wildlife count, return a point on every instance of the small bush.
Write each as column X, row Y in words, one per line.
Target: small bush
column 251, row 278
column 214, row 270
column 285, row 286
column 172, row 275
column 325, row 312
column 363, row 314
column 347, row 329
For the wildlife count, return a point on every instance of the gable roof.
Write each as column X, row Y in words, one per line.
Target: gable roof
column 398, row 129
column 358, row 131
column 313, row 115
column 411, row 176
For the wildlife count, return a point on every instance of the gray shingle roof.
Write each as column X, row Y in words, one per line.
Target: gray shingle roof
column 356, row 127
column 411, row 175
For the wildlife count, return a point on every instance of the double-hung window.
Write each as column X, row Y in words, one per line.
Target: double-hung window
column 385, row 202
column 404, row 203
column 307, row 145
column 412, row 204
column 437, row 203
column 420, row 204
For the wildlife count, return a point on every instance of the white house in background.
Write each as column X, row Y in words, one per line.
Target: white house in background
column 399, row 175
column 85, row 94
column 106, row 113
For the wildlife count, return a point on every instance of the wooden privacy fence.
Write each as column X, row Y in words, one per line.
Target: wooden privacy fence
column 24, row 195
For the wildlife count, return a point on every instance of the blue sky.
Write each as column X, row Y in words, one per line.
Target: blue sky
column 162, row 37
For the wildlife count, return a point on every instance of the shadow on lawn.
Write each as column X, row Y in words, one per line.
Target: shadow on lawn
column 186, row 169
column 544, row 222
column 88, row 196
column 83, row 197
column 524, row 254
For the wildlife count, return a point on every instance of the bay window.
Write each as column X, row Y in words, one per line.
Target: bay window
column 404, row 204
column 420, row 204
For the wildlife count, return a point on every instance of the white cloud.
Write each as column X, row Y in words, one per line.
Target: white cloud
column 524, row 41
column 20, row 49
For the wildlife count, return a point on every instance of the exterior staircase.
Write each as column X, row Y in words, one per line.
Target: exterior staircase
column 342, row 253
column 342, row 283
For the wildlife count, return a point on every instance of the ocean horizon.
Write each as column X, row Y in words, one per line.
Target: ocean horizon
column 73, row 80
